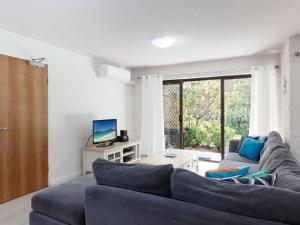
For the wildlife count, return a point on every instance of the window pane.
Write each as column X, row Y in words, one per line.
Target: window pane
column 202, row 110
column 237, row 108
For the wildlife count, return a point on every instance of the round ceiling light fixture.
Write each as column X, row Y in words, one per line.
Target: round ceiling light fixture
column 163, row 41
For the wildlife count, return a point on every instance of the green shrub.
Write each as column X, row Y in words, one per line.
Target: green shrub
column 207, row 135
column 189, row 136
column 238, row 119
column 200, row 136
column 208, row 130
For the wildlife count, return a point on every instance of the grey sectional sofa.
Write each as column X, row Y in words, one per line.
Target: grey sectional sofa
column 275, row 156
column 83, row 201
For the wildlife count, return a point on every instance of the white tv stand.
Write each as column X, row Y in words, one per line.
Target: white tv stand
column 116, row 153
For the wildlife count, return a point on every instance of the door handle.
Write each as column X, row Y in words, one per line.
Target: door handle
column 3, row 129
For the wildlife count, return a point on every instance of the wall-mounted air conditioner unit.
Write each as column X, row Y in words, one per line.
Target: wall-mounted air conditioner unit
column 109, row 71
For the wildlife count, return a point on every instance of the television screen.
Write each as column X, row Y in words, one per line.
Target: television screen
column 104, row 130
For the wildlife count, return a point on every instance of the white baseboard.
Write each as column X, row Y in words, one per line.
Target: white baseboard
column 66, row 178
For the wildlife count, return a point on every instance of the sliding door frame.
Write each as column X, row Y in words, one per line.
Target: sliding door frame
column 222, row 106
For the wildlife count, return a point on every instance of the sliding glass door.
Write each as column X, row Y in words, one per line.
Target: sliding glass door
column 237, row 98
column 204, row 114
column 201, row 114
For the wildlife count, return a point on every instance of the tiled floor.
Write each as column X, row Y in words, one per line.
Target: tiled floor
column 16, row 212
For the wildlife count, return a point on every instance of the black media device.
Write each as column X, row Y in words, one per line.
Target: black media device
column 123, row 132
column 124, row 136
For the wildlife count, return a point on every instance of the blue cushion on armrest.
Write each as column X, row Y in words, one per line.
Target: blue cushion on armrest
column 228, row 172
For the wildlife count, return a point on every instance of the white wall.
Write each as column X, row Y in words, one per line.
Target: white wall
column 294, row 95
column 76, row 97
column 234, row 66
column 285, row 100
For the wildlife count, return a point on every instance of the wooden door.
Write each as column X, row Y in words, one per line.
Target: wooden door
column 23, row 128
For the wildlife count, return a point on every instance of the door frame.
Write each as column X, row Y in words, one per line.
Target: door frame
column 222, row 102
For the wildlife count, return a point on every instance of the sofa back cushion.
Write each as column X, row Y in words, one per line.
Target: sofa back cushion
column 288, row 181
column 280, row 159
column 256, row 201
column 288, row 173
column 273, row 142
column 137, row 177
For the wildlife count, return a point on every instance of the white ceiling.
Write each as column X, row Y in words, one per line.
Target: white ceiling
column 119, row 30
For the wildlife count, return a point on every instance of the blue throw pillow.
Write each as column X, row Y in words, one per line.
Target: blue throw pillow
column 228, row 172
column 258, row 138
column 251, row 148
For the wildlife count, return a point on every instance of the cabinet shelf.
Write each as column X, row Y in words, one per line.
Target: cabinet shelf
column 128, row 153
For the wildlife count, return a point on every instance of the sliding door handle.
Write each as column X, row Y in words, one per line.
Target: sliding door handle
column 3, row 129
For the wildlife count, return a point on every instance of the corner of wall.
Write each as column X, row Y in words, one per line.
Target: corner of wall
column 291, row 70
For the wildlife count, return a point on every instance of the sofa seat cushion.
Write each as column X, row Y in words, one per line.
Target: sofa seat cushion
column 256, row 201
column 254, row 167
column 64, row 202
column 36, row 218
column 232, row 156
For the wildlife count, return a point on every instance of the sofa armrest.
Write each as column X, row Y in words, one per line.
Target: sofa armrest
column 233, row 144
column 114, row 206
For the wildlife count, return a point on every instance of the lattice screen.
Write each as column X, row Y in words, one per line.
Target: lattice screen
column 171, row 100
column 171, row 94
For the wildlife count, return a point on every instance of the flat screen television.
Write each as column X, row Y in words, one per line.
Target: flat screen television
column 104, row 130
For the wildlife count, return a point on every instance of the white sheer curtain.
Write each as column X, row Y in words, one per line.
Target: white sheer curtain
column 152, row 125
column 265, row 100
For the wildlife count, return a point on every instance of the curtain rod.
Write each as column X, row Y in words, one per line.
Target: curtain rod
column 211, row 72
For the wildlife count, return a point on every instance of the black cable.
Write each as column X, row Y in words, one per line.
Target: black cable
column 88, row 140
